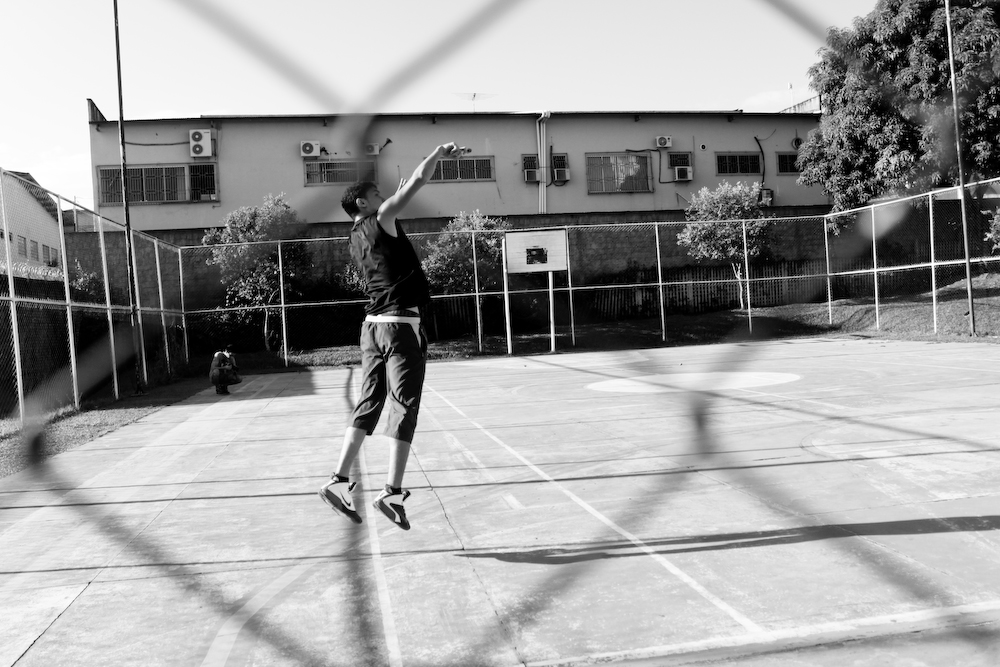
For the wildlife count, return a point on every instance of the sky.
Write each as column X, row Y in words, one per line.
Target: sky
column 188, row 58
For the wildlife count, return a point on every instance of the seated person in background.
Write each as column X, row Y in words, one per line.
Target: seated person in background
column 224, row 370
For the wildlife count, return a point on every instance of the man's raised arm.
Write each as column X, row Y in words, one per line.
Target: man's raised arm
column 394, row 205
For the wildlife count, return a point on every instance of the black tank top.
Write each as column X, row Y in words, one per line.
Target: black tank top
column 393, row 276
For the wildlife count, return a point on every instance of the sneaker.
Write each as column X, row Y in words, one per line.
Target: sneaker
column 337, row 494
column 391, row 505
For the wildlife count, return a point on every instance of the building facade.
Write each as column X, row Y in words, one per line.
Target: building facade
column 31, row 220
column 188, row 174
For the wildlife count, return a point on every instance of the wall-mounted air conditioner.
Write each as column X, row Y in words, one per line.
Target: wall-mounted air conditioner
column 664, row 142
column 309, row 149
column 560, row 174
column 209, row 197
column 200, row 143
column 683, row 173
column 530, row 175
column 371, row 149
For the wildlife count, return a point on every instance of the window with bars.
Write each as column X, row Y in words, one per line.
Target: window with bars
column 786, row 163
column 34, row 251
column 559, row 161
column 618, row 172
column 475, row 168
column 678, row 159
column 344, row 172
column 202, row 180
column 22, row 246
column 159, row 184
column 737, row 163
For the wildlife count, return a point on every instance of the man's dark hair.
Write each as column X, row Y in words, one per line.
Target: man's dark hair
column 356, row 191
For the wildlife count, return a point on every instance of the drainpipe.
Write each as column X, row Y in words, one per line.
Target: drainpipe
column 543, row 167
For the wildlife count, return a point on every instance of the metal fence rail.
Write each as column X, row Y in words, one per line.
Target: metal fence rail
column 864, row 268
column 65, row 309
column 857, row 265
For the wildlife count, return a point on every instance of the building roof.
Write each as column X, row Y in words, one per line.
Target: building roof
column 38, row 192
column 97, row 117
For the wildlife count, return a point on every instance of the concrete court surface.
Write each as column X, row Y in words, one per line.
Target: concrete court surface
column 838, row 508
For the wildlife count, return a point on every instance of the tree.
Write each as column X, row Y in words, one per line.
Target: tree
column 993, row 235
column 887, row 126
column 448, row 265
column 86, row 286
column 249, row 270
column 716, row 231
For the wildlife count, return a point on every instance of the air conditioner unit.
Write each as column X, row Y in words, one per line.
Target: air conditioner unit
column 683, row 173
column 766, row 196
column 309, row 149
column 530, row 175
column 371, row 149
column 200, row 143
column 209, row 197
column 560, row 174
column 664, row 142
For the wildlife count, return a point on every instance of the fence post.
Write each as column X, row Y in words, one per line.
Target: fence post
column 552, row 310
column 878, row 324
column 137, row 309
column 184, row 324
column 659, row 283
column 829, row 283
column 746, row 264
column 15, row 333
column 475, row 289
column 163, row 315
column 108, row 309
column 956, row 112
column 930, row 208
column 506, row 295
column 69, row 303
column 281, row 290
column 569, row 287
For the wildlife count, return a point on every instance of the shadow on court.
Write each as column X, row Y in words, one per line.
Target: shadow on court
column 752, row 539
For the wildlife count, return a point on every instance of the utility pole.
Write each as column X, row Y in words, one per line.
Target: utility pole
column 961, row 172
column 129, row 256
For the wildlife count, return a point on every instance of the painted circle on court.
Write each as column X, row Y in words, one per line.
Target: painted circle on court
column 715, row 381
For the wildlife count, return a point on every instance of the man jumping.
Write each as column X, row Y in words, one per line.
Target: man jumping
column 393, row 342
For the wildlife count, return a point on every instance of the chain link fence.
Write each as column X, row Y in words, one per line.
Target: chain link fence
column 67, row 329
column 894, row 265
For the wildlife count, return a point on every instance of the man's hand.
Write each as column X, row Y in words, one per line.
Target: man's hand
column 452, row 151
column 391, row 207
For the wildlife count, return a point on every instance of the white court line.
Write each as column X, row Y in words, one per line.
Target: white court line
column 455, row 442
column 892, row 624
column 381, row 583
column 645, row 548
column 797, row 399
column 908, row 364
column 513, row 502
column 225, row 639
